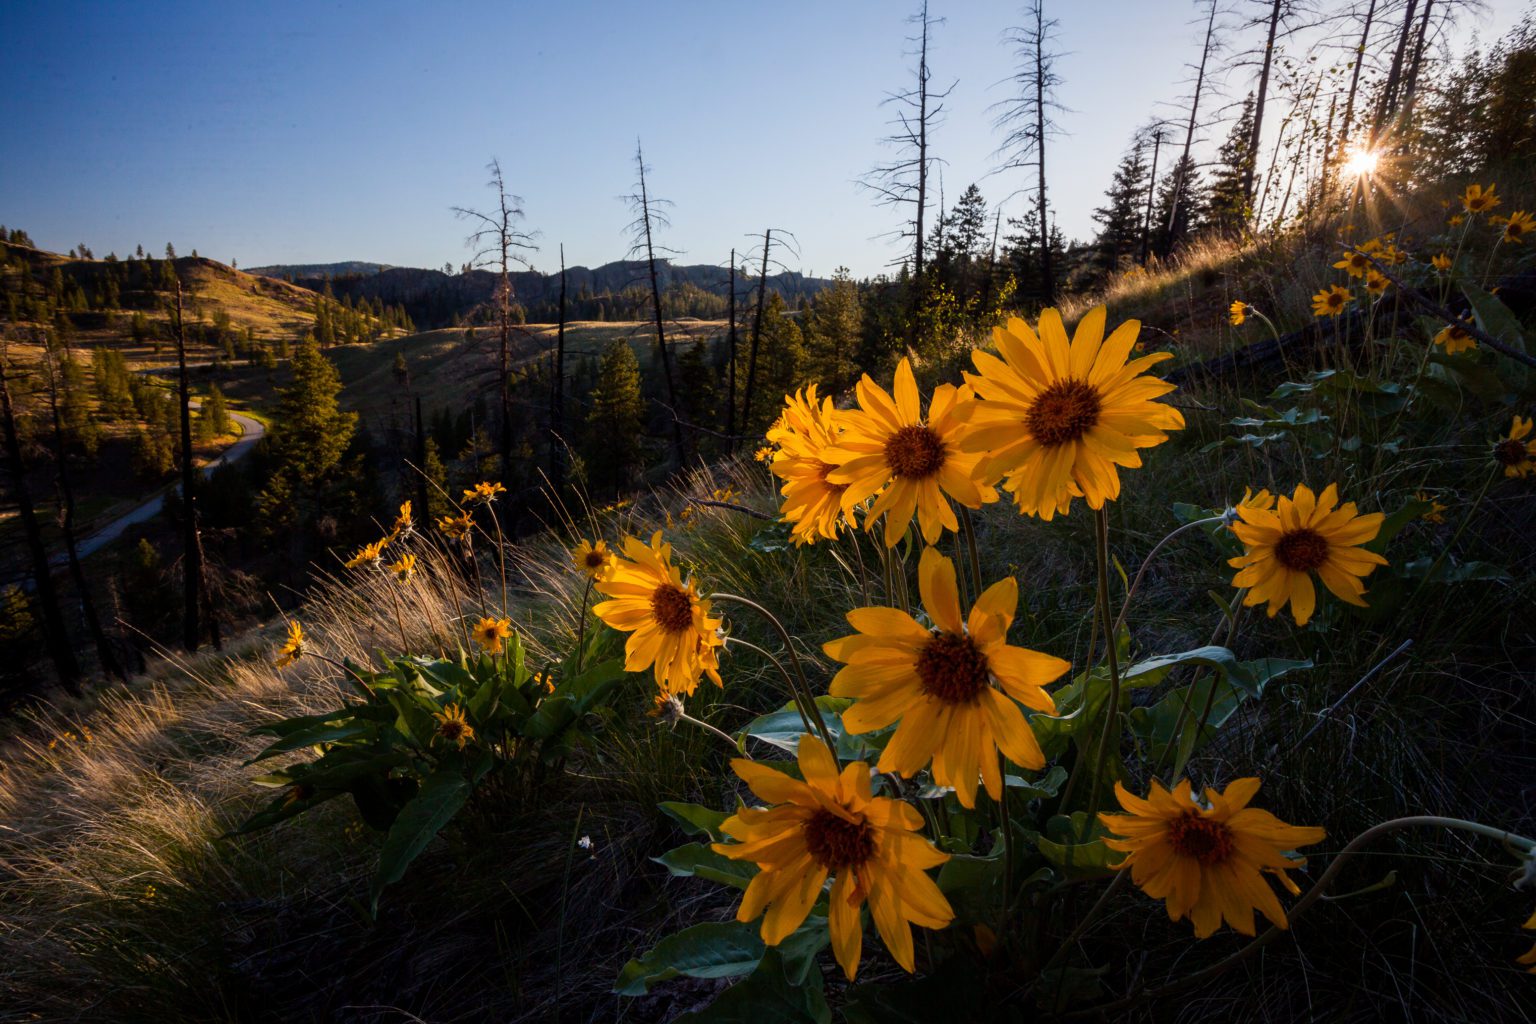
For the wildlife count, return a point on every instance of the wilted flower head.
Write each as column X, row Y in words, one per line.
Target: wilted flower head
column 405, row 568
column 404, row 524
column 369, row 554
column 1433, row 514
column 484, row 493
column 293, row 648
column 456, row 527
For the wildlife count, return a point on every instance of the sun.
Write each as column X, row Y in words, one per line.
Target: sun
column 1361, row 163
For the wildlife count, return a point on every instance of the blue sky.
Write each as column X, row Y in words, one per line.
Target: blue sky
column 312, row 132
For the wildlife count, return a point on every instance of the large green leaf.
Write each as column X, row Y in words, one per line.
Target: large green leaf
column 341, row 727
column 783, row 729
column 695, row 819
column 1220, row 691
column 767, row 996
column 441, row 796
column 1498, row 320
column 722, row 950
column 1075, row 846
column 698, row 860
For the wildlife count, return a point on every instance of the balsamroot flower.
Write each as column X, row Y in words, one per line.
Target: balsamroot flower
column 1529, row 957
column 1477, row 199
column 914, row 463
column 484, row 493
column 814, row 504
column 939, row 683
column 671, row 631
column 593, row 558
column 293, row 648
column 831, row 825
column 1057, row 417
column 1237, row 313
column 1376, row 283
column 1330, row 301
column 404, row 524
column 1455, row 338
column 453, row 726
column 1514, row 452
column 490, row 633
column 1305, row 534
column 1441, row 262
column 456, row 527
column 369, row 554
column 1435, row 512
column 1517, row 226
column 404, row 569
column 1208, row 859
column 1355, row 263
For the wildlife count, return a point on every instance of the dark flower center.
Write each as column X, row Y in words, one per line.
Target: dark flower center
column 672, row 608
column 1457, row 334
column 953, row 669
column 1063, row 412
column 595, row 559
column 451, row 729
column 1302, row 550
column 838, row 843
column 1510, row 452
column 914, row 452
column 1207, row 841
column 1514, row 229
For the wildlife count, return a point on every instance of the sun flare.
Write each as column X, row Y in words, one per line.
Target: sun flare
column 1361, row 163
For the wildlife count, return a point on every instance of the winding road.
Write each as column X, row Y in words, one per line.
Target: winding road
column 251, row 432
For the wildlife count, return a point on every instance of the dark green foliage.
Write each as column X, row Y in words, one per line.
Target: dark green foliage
column 615, row 419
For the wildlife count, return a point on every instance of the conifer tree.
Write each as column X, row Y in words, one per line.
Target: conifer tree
column 1120, row 218
column 309, row 436
column 833, row 330
column 615, row 419
column 1226, row 196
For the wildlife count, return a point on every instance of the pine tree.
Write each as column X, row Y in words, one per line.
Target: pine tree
column 214, row 413
column 1179, row 206
column 1120, row 218
column 309, row 436
column 615, row 419
column 832, row 332
column 1226, row 199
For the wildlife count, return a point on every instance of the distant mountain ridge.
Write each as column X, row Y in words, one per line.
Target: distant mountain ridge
column 613, row 291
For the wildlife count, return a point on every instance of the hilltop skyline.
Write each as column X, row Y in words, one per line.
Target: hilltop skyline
column 295, row 136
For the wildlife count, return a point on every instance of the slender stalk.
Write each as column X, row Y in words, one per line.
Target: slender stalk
column 1112, row 658
column 794, row 691
column 968, row 531
column 1312, row 896
column 794, row 660
column 367, row 690
column 1465, row 519
column 738, row 750
column 501, row 552
column 399, row 620
column 581, row 623
column 1126, row 606
column 1007, row 827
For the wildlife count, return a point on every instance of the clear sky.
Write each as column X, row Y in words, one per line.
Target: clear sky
column 286, row 132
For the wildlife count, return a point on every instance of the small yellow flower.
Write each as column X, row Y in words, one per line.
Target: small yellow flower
column 369, row 554
column 593, row 559
column 293, row 648
column 1477, row 199
column 1518, row 226
column 1306, row 534
column 1238, row 313
column 763, row 454
column 1262, row 500
column 489, row 633
column 456, row 527
column 667, row 707
column 1433, row 514
column 404, row 524
column 724, row 494
column 1208, row 859
column 405, row 568
column 1354, row 263
column 453, row 726
column 1441, row 262
column 1456, row 221
column 1529, row 958
column 1514, row 452
column 1330, row 301
column 149, row 892
column 1455, row 338
column 484, row 493
column 1375, row 282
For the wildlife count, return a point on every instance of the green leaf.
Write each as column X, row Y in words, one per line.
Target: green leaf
column 1042, row 788
column 715, row 950
column 1232, row 682
column 767, row 996
column 441, row 796
column 340, row 728
column 783, row 729
column 1453, row 571
column 695, row 819
column 1497, row 320
column 698, row 860
column 1066, row 846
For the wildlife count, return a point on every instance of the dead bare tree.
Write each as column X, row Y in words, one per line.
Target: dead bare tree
column 1157, row 131
column 192, row 548
column 557, row 401
column 1279, row 13
column 1206, row 49
column 1388, row 102
column 1354, row 77
column 903, row 181
column 55, row 635
column 764, row 265
column 1025, row 119
column 498, row 243
column 104, row 651
column 650, row 215
column 730, row 341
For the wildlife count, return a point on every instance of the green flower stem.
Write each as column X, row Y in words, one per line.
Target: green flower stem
column 968, row 531
column 581, row 623
column 1120, row 619
column 1112, row 658
column 794, row 691
column 1445, row 551
column 738, row 749
column 1312, row 896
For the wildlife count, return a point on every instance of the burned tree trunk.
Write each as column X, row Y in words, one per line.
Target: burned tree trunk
column 192, row 549
column 757, row 333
